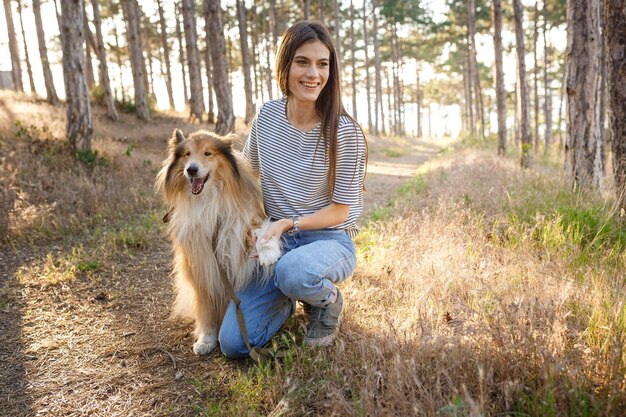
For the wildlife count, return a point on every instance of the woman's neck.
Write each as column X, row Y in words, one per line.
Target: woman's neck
column 302, row 115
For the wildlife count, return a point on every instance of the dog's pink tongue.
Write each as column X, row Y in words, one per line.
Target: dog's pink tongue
column 196, row 184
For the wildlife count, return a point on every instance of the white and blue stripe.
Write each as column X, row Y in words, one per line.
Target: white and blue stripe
column 294, row 170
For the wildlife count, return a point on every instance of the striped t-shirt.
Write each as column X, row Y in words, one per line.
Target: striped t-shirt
column 294, row 170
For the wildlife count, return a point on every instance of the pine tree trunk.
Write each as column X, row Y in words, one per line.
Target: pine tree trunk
column 379, row 125
column 391, row 117
column 337, row 22
column 181, row 54
column 16, row 66
column 90, row 77
column 166, row 55
column 225, row 116
column 353, row 64
column 599, row 165
column 196, row 93
column 475, row 74
column 615, row 16
column 397, row 90
column 245, row 59
column 51, row 92
column 418, row 101
column 547, row 102
column 268, row 69
column 149, row 58
column 524, row 125
column 103, row 67
column 496, row 11
column 133, row 36
column 582, row 137
column 536, row 75
column 118, row 59
column 307, row 9
column 368, row 83
column 273, row 22
column 258, row 86
column 470, row 89
column 29, row 68
column 208, row 67
column 78, row 111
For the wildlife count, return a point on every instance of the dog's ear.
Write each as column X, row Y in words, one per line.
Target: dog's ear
column 231, row 139
column 176, row 139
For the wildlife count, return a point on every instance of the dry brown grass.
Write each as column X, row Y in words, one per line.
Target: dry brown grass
column 449, row 315
column 475, row 294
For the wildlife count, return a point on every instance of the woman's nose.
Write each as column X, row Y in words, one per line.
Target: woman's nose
column 311, row 71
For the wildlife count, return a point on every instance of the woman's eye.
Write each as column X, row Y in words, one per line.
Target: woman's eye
column 207, row 153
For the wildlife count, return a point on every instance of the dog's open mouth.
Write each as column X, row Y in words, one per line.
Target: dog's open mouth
column 197, row 184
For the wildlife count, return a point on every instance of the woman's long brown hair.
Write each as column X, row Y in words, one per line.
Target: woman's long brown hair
column 328, row 105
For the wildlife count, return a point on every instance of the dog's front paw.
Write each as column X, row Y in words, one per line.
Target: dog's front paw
column 269, row 252
column 205, row 345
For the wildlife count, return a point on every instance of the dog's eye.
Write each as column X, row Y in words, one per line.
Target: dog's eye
column 207, row 153
column 187, row 153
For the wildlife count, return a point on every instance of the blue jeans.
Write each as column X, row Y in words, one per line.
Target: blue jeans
column 313, row 261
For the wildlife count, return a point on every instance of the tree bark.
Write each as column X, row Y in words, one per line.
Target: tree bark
column 225, row 116
column 29, row 68
column 582, row 139
column 496, row 11
column 181, row 53
column 51, row 92
column 353, row 61
column 208, row 67
column 90, row 78
column 526, row 159
column 547, row 102
column 245, row 59
column 418, row 101
column 118, row 59
column 470, row 89
column 475, row 74
column 268, row 69
column 379, row 117
column 196, row 93
column 78, row 110
column 615, row 16
column 16, row 67
column 166, row 55
column 103, row 67
column 601, row 149
column 307, row 9
column 133, row 36
column 368, row 84
column 337, row 22
column 536, row 75
column 256, row 70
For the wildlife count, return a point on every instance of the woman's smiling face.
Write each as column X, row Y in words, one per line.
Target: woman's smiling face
column 309, row 71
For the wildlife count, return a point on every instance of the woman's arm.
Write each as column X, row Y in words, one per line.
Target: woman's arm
column 331, row 215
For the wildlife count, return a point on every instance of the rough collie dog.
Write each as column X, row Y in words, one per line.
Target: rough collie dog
column 215, row 205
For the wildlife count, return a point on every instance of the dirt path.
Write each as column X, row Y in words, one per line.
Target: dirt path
column 390, row 165
column 95, row 337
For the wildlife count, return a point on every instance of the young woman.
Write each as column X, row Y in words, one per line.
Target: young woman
column 311, row 157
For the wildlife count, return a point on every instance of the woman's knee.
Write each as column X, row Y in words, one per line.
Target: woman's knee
column 291, row 276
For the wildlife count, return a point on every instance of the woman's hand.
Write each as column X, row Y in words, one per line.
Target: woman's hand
column 276, row 229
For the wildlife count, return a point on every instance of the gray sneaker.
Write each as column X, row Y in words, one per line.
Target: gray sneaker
column 324, row 323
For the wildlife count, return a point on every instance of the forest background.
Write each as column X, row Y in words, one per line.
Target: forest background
column 490, row 279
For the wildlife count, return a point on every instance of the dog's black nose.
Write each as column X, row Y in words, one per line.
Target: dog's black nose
column 192, row 170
